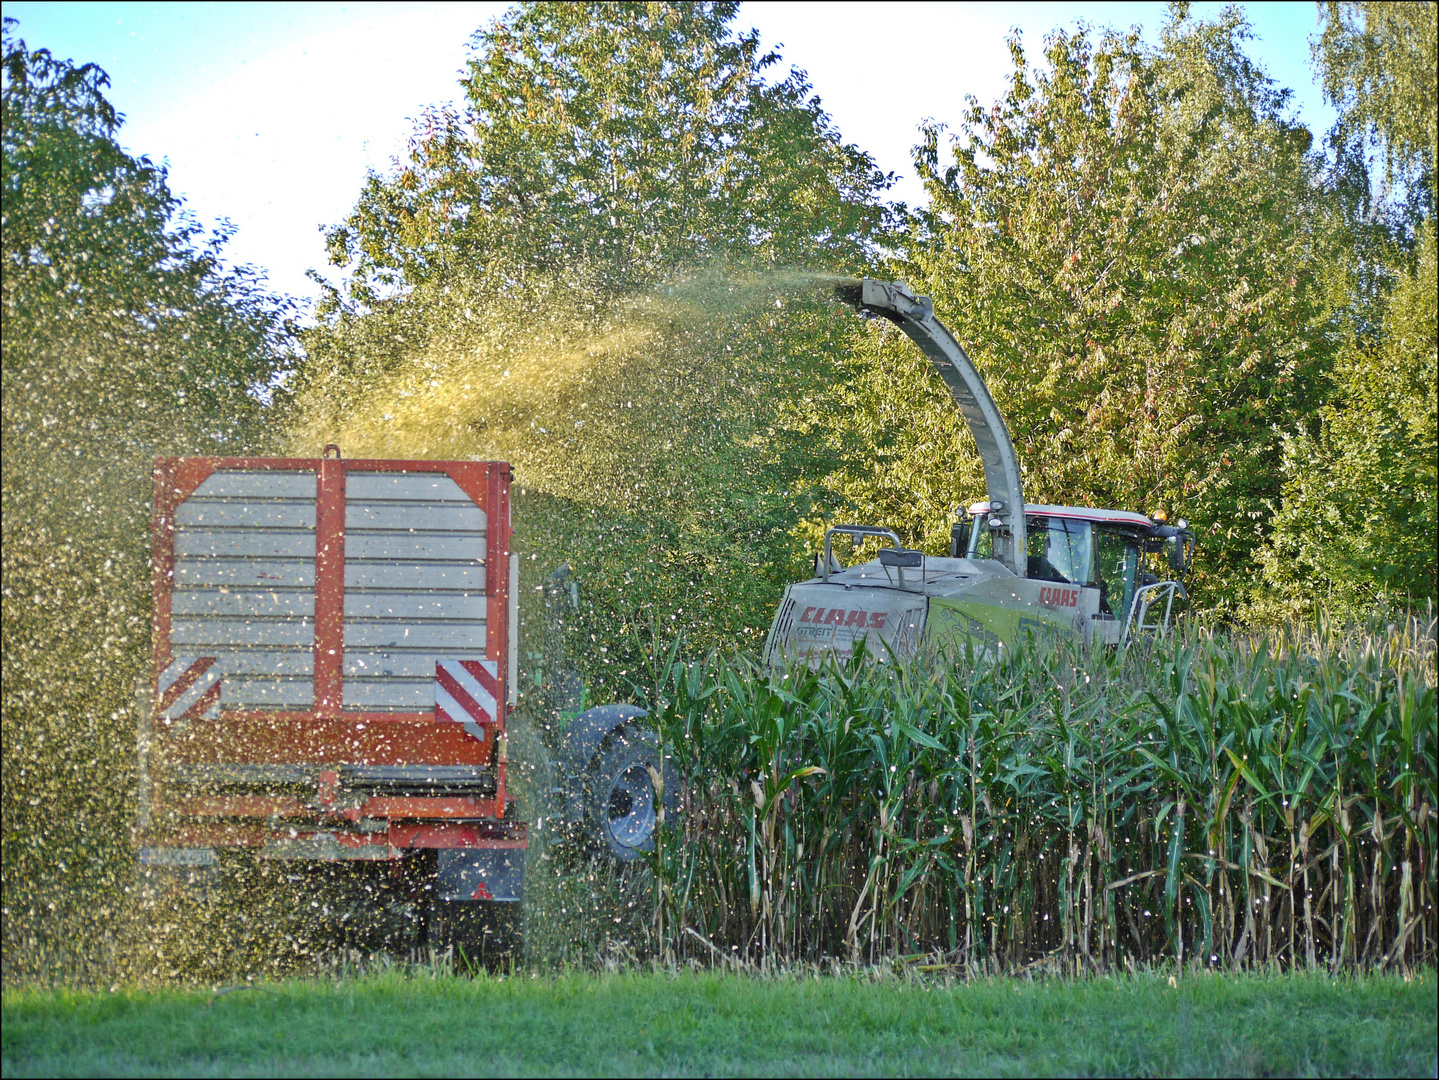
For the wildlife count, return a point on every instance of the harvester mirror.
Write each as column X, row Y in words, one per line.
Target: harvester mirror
column 854, row 533
column 1180, row 547
column 909, row 560
column 958, row 540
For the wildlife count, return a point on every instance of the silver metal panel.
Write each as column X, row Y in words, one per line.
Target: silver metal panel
column 443, row 638
column 414, row 606
column 257, row 484
column 244, row 584
column 195, row 571
column 387, row 663
column 466, row 577
column 412, row 695
column 266, row 662
column 424, row 516
column 428, row 487
column 411, row 547
column 254, row 543
column 277, row 603
column 247, row 514
column 206, row 636
column 415, row 576
column 241, row 692
column 496, row 874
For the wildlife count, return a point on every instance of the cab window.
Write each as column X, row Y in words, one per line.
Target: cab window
column 1117, row 560
column 1060, row 549
column 981, row 540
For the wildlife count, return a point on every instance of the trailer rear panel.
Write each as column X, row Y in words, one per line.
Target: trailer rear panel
column 333, row 658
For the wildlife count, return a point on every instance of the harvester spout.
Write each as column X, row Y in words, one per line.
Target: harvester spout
column 915, row 316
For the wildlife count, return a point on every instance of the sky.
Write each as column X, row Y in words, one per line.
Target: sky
column 270, row 115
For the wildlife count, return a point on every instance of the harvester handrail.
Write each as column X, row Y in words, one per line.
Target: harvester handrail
column 1144, row 597
column 856, row 530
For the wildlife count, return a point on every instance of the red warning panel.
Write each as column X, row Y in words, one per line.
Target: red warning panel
column 467, row 692
column 190, row 689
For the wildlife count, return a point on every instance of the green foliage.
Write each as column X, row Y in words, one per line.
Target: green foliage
column 580, row 273
column 116, row 311
column 637, row 136
column 1357, row 520
column 1378, row 62
column 651, row 448
column 1131, row 241
column 1227, row 801
column 1172, row 301
column 123, row 339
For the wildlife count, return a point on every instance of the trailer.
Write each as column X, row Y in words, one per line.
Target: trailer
column 334, row 664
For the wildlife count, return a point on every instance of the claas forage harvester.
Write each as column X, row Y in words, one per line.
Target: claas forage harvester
column 1013, row 568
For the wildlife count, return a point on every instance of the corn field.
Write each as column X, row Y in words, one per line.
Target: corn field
column 1215, row 800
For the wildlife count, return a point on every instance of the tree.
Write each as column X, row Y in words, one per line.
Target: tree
column 1377, row 63
column 114, row 300
column 579, row 273
column 637, row 136
column 124, row 338
column 1357, row 523
column 1132, row 242
column 1357, row 520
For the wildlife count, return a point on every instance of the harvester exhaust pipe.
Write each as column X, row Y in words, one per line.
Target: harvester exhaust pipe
column 893, row 300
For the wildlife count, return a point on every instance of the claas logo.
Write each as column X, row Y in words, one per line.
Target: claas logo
column 856, row 618
column 1059, row 597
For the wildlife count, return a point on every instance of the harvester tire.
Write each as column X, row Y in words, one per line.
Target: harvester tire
column 620, row 812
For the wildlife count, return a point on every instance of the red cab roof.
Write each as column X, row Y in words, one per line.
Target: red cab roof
column 1083, row 513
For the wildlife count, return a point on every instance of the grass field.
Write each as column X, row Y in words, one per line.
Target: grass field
column 692, row 1023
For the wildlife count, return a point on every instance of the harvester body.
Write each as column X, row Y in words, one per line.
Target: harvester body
column 1012, row 568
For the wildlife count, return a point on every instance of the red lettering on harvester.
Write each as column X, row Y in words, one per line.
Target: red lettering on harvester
column 859, row 619
column 1059, row 597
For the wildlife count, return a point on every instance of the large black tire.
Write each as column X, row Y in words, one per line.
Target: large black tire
column 620, row 813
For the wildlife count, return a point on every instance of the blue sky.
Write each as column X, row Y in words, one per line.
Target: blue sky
column 270, row 114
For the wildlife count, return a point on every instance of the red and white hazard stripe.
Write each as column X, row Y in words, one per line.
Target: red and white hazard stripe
column 467, row 692
column 189, row 689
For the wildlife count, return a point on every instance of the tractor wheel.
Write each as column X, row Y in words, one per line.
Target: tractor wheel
column 620, row 798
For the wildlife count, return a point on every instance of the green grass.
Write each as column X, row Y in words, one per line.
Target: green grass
column 705, row 1023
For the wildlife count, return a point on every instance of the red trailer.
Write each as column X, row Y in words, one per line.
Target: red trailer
column 334, row 658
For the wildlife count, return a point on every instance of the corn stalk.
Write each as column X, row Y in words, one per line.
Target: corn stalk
column 1219, row 801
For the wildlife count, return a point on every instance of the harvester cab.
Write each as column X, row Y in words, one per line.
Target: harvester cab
column 1013, row 567
column 1103, row 550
